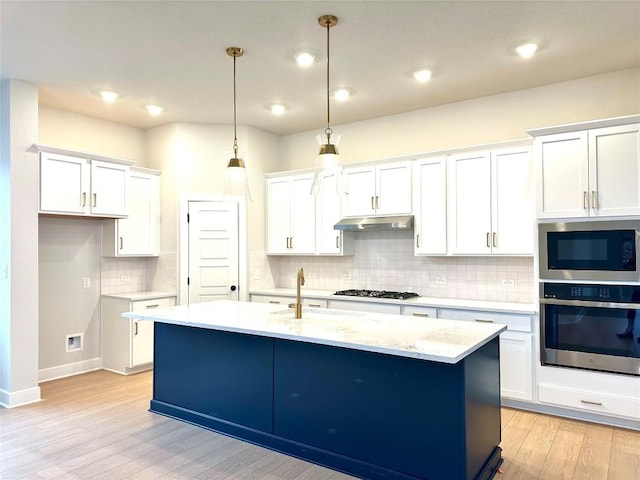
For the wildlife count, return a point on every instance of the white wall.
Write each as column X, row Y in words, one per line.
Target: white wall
column 482, row 120
column 86, row 134
column 19, row 248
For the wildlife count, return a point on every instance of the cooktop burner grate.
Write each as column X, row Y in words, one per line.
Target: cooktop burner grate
column 377, row 294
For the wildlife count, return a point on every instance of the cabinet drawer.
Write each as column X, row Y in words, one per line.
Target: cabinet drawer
column 420, row 311
column 276, row 300
column 365, row 306
column 145, row 305
column 518, row 323
column 590, row 401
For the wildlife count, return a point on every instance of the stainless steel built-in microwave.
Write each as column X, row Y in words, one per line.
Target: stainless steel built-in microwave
column 595, row 250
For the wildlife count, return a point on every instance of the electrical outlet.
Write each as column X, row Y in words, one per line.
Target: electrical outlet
column 125, row 278
column 257, row 274
column 441, row 280
column 347, row 276
column 508, row 282
column 86, row 282
column 312, row 276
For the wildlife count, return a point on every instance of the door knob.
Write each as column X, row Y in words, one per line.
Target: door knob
column 233, row 288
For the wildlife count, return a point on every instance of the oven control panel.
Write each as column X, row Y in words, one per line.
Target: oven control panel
column 593, row 292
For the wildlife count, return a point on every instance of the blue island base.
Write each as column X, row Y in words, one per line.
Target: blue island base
column 369, row 415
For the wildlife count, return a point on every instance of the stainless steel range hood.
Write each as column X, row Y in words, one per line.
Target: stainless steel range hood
column 359, row 224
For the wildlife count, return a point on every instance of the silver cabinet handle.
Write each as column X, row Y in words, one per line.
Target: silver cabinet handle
column 290, row 242
column 488, row 240
column 373, row 206
column 377, row 202
column 315, row 305
column 585, row 200
column 84, row 199
column 418, row 240
column 593, row 199
column 484, row 320
column 121, row 243
column 589, row 402
column 95, row 199
column 135, row 328
column 155, row 305
column 337, row 241
column 494, row 237
column 417, row 314
column 274, row 301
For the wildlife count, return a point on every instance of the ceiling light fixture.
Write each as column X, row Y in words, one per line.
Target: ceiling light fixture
column 236, row 186
column 305, row 59
column 527, row 50
column 422, row 76
column 154, row 110
column 328, row 161
column 342, row 94
column 277, row 109
column 108, row 96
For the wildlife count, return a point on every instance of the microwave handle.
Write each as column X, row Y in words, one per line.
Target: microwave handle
column 589, row 303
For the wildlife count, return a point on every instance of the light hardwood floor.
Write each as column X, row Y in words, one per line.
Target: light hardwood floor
column 96, row 426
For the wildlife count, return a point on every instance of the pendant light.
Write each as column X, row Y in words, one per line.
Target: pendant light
column 328, row 161
column 236, row 186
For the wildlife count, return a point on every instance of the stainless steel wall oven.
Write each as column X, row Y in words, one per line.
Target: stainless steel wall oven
column 591, row 326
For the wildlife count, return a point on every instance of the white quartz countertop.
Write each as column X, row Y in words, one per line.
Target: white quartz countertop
column 142, row 295
column 438, row 340
column 438, row 302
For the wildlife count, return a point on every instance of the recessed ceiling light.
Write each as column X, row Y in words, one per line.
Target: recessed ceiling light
column 108, row 96
column 154, row 110
column 527, row 50
column 277, row 109
column 342, row 94
column 305, row 59
column 422, row 76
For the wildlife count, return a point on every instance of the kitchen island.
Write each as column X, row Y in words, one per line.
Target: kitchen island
column 372, row 395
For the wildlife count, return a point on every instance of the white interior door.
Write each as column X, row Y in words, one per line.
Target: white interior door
column 213, row 251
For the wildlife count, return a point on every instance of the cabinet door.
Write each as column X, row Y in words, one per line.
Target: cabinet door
column 303, row 216
column 328, row 213
column 512, row 202
column 278, row 216
column 109, row 188
column 64, row 184
column 563, row 176
column 141, row 343
column 138, row 233
column 393, row 189
column 516, row 365
column 614, row 170
column 469, row 209
column 430, row 229
column 361, row 182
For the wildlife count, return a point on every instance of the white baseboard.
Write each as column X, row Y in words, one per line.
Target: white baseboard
column 21, row 397
column 61, row 371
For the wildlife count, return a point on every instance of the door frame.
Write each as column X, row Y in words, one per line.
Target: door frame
column 183, row 245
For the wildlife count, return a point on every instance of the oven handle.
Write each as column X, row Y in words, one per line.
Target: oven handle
column 587, row 303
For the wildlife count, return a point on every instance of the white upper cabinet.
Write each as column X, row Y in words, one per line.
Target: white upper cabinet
column 138, row 234
column 490, row 202
column 383, row 189
column 589, row 172
column 328, row 213
column 291, row 215
column 71, row 185
column 430, row 206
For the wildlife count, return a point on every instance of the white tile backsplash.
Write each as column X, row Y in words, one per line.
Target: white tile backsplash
column 385, row 261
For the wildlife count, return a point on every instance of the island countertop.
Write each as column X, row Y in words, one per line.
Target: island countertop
column 437, row 340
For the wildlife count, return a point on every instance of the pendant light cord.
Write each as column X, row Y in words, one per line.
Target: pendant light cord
column 328, row 130
column 235, row 136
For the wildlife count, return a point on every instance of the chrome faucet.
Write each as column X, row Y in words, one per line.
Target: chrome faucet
column 299, row 283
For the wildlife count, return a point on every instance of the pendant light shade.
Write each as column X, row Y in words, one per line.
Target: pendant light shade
column 236, row 185
column 328, row 161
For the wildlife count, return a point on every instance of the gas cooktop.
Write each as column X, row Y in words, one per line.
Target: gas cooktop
column 377, row 294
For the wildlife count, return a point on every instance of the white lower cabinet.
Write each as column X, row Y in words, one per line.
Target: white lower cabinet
column 424, row 312
column 127, row 344
column 365, row 306
column 516, row 349
column 594, row 392
column 286, row 301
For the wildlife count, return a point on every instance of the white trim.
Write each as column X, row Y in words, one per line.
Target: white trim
column 75, row 153
column 183, row 240
column 69, row 369
column 19, row 398
column 575, row 127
